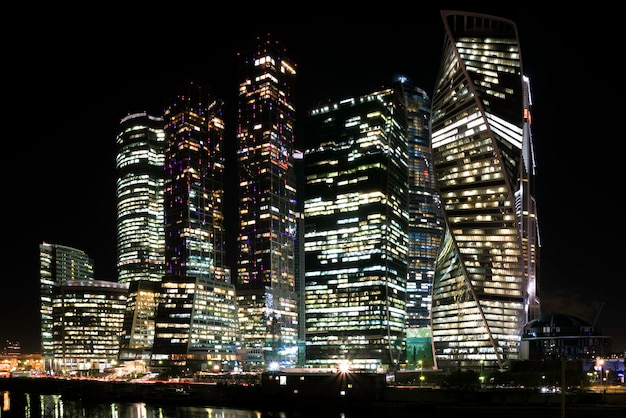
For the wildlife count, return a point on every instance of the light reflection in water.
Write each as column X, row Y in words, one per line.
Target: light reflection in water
column 54, row 406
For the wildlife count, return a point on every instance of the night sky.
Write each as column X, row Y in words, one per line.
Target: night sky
column 72, row 75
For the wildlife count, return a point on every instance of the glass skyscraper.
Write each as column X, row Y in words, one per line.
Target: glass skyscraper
column 265, row 270
column 484, row 277
column 57, row 265
column 194, row 184
column 526, row 207
column 425, row 226
column 196, row 320
column 140, row 172
column 356, row 232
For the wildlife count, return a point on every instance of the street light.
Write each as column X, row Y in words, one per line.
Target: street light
column 421, row 372
column 600, row 367
column 344, row 367
column 482, row 373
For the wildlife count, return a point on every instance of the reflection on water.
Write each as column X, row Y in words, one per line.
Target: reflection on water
column 53, row 406
column 14, row 405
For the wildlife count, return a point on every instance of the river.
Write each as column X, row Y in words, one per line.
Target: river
column 18, row 405
column 21, row 405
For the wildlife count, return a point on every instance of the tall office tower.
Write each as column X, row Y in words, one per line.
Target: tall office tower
column 140, row 169
column 480, row 139
column 356, row 231
column 425, row 226
column 267, row 208
column 299, row 254
column 527, row 213
column 196, row 321
column 87, row 321
column 57, row 265
column 140, row 173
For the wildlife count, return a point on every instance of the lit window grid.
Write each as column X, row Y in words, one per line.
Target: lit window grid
column 199, row 313
column 88, row 317
column 57, row 265
column 487, row 256
column 267, row 204
column 139, row 192
column 341, row 297
column 194, row 188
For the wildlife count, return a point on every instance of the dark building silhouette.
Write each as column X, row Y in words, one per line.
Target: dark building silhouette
column 554, row 336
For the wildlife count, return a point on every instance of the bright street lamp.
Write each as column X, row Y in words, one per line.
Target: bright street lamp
column 600, row 367
column 421, row 372
column 344, row 367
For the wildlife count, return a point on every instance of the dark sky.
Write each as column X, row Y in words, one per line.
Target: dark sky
column 71, row 75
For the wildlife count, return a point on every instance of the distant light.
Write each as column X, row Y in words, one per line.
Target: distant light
column 402, row 78
column 273, row 366
column 344, row 367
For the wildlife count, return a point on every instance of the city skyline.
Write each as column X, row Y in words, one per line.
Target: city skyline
column 73, row 110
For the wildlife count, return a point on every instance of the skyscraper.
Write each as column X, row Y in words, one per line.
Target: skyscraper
column 265, row 276
column 527, row 212
column 425, row 226
column 299, row 255
column 196, row 321
column 480, row 139
column 57, row 264
column 194, row 184
column 356, row 231
column 140, row 172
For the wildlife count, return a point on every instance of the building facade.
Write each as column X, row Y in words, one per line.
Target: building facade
column 356, row 232
column 526, row 207
column 561, row 336
column 140, row 173
column 265, row 270
column 57, row 265
column 87, row 321
column 481, row 150
column 196, row 321
column 138, row 328
column 425, row 227
column 299, row 255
